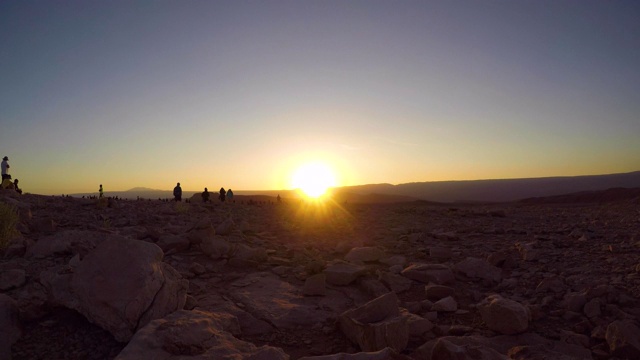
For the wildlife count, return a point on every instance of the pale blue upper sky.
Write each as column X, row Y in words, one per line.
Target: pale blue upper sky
column 239, row 93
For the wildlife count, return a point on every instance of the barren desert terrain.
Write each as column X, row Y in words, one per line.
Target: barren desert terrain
column 89, row 279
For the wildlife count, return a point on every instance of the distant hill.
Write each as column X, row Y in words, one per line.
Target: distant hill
column 500, row 190
column 601, row 196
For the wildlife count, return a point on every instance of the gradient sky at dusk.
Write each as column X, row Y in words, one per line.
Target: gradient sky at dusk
column 240, row 93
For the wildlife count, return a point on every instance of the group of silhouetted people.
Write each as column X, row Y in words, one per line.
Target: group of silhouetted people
column 225, row 195
column 206, row 195
column 6, row 178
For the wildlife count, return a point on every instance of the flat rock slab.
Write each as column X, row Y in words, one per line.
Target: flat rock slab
column 268, row 298
column 479, row 269
column 249, row 324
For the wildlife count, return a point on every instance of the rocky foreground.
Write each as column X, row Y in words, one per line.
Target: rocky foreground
column 88, row 279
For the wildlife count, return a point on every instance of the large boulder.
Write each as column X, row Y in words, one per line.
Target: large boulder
column 395, row 282
column 9, row 325
column 623, row 337
column 503, row 315
column 377, row 324
column 121, row 285
column 447, row 304
column 343, row 273
column 195, row 335
column 429, row 273
column 363, row 254
column 418, row 326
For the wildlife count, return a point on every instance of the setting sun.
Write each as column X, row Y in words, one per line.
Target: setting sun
column 313, row 179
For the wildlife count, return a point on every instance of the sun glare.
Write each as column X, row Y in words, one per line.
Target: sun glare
column 313, row 179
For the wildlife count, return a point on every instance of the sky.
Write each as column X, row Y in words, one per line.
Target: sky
column 238, row 94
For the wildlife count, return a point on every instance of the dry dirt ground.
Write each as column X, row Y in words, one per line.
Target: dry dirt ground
column 573, row 266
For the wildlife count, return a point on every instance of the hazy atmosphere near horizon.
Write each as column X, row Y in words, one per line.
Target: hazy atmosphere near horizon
column 240, row 94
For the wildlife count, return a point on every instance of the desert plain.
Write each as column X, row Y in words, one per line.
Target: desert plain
column 555, row 278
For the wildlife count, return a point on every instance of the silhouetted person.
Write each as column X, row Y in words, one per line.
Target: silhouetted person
column 205, row 195
column 101, row 191
column 223, row 194
column 278, row 198
column 5, row 168
column 15, row 186
column 230, row 195
column 177, row 193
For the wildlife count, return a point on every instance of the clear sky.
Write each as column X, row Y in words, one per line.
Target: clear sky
column 240, row 93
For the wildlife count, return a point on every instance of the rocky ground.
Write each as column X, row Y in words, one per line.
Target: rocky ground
column 88, row 279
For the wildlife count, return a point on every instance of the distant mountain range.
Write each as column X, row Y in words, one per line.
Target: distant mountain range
column 498, row 190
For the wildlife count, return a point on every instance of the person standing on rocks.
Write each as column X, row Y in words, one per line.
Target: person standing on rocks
column 177, row 193
column 101, row 191
column 205, row 195
column 223, row 194
column 5, row 168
